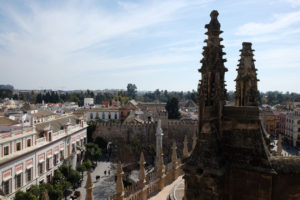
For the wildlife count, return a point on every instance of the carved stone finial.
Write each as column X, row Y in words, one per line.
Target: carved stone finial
column 120, row 185
column 174, row 155
column 159, row 131
column 214, row 24
column 246, row 93
column 214, row 14
column 161, row 170
column 89, row 187
column 185, row 147
column 160, row 163
column 142, row 173
column 159, row 140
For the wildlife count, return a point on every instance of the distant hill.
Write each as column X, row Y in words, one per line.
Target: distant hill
column 8, row 87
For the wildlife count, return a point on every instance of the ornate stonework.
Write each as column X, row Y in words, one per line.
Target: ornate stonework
column 231, row 160
column 89, row 187
column 246, row 93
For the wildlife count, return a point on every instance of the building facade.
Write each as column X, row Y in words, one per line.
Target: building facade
column 292, row 128
column 31, row 155
column 103, row 114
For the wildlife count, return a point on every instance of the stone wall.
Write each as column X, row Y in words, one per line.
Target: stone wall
column 125, row 134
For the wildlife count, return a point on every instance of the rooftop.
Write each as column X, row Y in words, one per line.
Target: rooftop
column 4, row 121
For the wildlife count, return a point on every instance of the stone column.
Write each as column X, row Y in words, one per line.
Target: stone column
column 120, row 186
column 159, row 137
column 89, row 187
column 142, row 177
column 185, row 148
column 174, row 161
column 161, row 170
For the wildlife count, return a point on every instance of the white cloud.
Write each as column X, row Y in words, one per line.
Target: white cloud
column 279, row 58
column 280, row 22
column 294, row 3
column 49, row 43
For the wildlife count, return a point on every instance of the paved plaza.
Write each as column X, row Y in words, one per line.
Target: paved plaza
column 105, row 186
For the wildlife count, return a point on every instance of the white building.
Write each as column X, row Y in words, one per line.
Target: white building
column 88, row 102
column 105, row 114
column 31, row 155
column 292, row 127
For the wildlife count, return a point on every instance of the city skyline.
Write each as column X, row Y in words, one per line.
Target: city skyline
column 75, row 45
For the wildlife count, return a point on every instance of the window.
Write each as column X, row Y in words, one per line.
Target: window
column 28, row 175
column 18, row 181
column 299, row 130
column 41, row 168
column 61, row 155
column 298, row 122
column 6, row 187
column 54, row 160
column 28, row 142
column 48, row 163
column 18, row 146
column 48, row 178
column 6, row 150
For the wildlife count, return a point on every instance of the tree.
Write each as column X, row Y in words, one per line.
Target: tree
column 172, row 108
column 39, row 98
column 131, row 90
column 88, row 164
column 81, row 168
column 101, row 142
column 5, row 93
column 70, row 175
column 20, row 195
column 93, row 152
column 157, row 94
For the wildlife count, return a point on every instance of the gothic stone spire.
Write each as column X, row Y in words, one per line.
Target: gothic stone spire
column 246, row 93
column 89, row 187
column 142, row 173
column 119, row 185
column 159, row 137
column 211, row 89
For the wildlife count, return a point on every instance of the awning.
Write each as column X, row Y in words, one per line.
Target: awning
column 29, row 163
column 19, row 172
column 6, row 175
column 6, row 178
column 41, row 158
column 29, row 166
column 19, row 169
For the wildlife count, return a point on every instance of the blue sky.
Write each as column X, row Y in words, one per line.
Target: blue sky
column 153, row 43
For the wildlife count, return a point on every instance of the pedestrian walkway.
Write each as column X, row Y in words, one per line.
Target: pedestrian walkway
column 103, row 187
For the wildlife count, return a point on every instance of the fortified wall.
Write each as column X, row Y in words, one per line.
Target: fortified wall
column 121, row 134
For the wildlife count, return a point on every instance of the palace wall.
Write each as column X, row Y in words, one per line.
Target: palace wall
column 127, row 133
